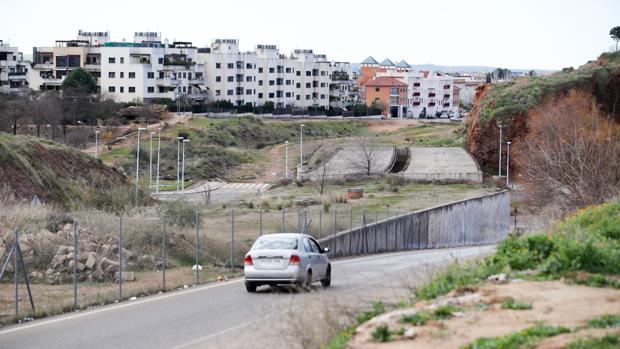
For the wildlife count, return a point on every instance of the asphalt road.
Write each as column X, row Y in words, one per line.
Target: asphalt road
column 220, row 314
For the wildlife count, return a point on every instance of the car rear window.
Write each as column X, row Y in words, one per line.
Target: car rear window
column 275, row 243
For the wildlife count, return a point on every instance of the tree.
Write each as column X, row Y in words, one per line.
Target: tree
column 80, row 80
column 570, row 156
column 488, row 78
column 14, row 110
column 44, row 109
column 532, row 73
column 366, row 155
column 319, row 181
column 615, row 35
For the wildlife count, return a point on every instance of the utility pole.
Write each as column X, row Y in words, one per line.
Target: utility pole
column 138, row 160
column 286, row 159
column 97, row 144
column 179, row 140
column 301, row 145
column 151, row 163
column 508, row 164
column 183, row 169
column 158, row 149
column 501, row 129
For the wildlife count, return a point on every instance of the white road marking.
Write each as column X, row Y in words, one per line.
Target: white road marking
column 217, row 334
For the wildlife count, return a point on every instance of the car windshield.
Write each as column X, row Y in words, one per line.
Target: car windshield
column 275, row 243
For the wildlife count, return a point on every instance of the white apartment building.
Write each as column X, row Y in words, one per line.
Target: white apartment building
column 432, row 94
column 343, row 88
column 142, row 70
column 13, row 70
column 264, row 75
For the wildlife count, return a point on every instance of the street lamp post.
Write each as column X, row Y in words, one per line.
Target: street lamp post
column 286, row 160
column 183, row 169
column 151, row 162
column 508, row 164
column 97, row 144
column 501, row 133
column 179, row 140
column 158, row 148
column 138, row 159
column 301, row 145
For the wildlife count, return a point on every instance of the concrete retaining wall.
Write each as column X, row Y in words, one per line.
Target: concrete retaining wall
column 481, row 220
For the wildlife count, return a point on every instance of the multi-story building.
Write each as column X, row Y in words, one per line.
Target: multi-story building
column 343, row 89
column 13, row 70
column 142, row 70
column 389, row 92
column 265, row 75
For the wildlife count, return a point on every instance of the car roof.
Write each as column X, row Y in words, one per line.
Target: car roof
column 287, row 235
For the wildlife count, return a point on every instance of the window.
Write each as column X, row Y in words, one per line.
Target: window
column 248, row 66
column 271, row 70
column 298, row 85
column 271, row 82
column 111, row 75
column 288, row 94
column 150, row 89
column 279, row 81
column 322, row 72
column 122, row 76
column 307, row 97
column 260, row 95
column 271, row 95
column 248, row 79
column 298, row 97
column 184, row 75
column 393, row 91
column 122, row 60
column 218, row 65
column 150, row 75
column 298, row 73
column 132, row 89
column 248, row 91
column 260, row 82
column 122, row 89
column 111, row 60
column 288, row 70
column 218, row 79
column 307, row 246
column 377, row 89
column 308, row 73
column 230, row 92
column 230, row 79
column 308, row 85
column 279, row 94
column 218, row 92
column 132, row 75
column 231, row 65
column 322, row 96
column 260, row 70
column 288, row 82
column 322, row 84
column 111, row 89
column 160, row 60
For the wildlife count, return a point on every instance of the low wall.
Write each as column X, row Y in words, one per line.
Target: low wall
column 476, row 221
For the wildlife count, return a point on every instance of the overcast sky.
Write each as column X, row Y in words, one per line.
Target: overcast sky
column 543, row 34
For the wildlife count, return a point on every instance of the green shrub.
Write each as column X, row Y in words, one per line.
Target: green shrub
column 611, row 341
column 516, row 305
column 382, row 334
column 525, row 338
column 457, row 275
column 418, row 319
column 445, row 311
column 377, row 308
column 605, row 321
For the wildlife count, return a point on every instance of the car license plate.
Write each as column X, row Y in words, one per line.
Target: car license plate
column 269, row 260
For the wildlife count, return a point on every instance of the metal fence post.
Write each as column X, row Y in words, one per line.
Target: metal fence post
column 163, row 253
column 197, row 247
column 375, row 230
column 306, row 222
column 260, row 218
column 282, row 219
column 75, row 302
column 16, row 270
column 120, row 258
column 350, row 234
column 320, row 222
column 232, row 240
column 387, row 225
column 335, row 229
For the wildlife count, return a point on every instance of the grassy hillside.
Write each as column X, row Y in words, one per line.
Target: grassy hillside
column 510, row 103
column 55, row 173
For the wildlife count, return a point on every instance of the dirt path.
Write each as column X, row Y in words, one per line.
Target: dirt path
column 390, row 125
column 554, row 303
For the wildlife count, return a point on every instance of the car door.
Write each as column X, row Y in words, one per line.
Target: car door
column 309, row 256
column 321, row 259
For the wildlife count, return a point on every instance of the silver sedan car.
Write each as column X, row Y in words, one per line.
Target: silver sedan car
column 277, row 259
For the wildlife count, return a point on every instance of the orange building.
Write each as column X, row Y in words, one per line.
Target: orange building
column 390, row 92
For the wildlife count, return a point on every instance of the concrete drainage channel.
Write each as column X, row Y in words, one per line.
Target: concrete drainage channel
column 401, row 160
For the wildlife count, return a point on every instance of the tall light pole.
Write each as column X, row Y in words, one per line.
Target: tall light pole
column 96, row 144
column 508, row 164
column 138, row 159
column 301, row 145
column 286, row 160
column 179, row 140
column 501, row 133
column 183, row 170
column 158, row 148
column 151, row 162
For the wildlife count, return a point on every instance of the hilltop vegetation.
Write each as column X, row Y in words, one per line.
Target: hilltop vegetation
column 55, row 173
column 510, row 103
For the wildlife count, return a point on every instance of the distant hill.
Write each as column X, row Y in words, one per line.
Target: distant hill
column 465, row 68
column 55, row 173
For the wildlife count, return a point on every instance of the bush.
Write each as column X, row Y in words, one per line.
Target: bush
column 57, row 219
column 326, row 207
column 446, row 311
column 382, row 334
column 611, row 341
column 417, row 319
column 515, row 305
column 605, row 321
column 377, row 308
column 180, row 213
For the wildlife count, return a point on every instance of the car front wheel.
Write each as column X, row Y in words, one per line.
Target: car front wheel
column 327, row 281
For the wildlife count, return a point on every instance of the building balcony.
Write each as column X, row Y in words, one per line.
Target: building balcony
column 17, row 76
column 96, row 67
column 198, row 81
column 430, row 95
column 167, row 82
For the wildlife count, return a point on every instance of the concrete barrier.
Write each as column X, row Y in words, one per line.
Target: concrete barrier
column 476, row 221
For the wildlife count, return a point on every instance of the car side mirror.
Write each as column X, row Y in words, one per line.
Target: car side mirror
column 325, row 249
